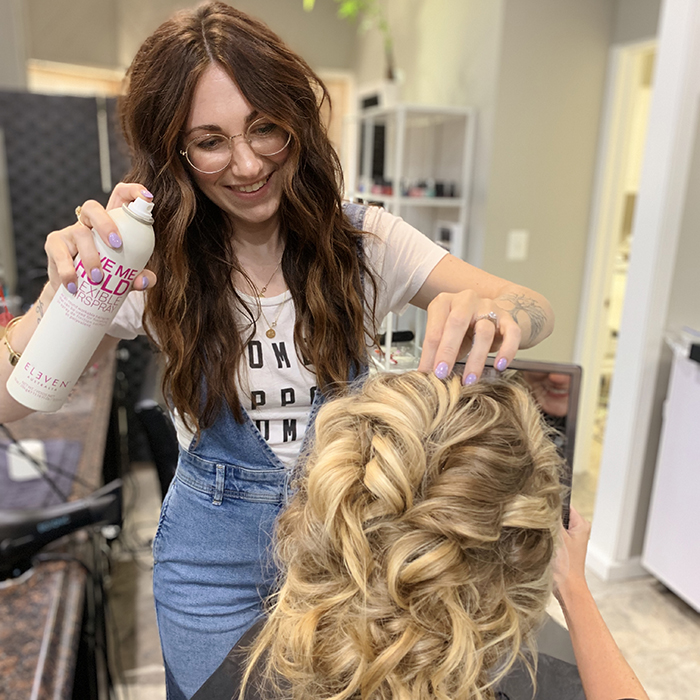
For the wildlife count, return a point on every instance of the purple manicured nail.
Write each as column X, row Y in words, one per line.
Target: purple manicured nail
column 114, row 240
column 96, row 275
column 501, row 364
column 71, row 287
column 470, row 379
column 146, row 193
column 442, row 370
column 144, row 282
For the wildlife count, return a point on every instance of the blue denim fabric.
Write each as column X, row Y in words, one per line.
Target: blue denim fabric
column 212, row 560
column 211, row 551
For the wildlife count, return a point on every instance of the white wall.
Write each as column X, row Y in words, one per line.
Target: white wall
column 535, row 71
column 447, row 53
column 635, row 20
column 108, row 32
column 324, row 40
column 72, row 31
column 550, row 88
column 13, row 74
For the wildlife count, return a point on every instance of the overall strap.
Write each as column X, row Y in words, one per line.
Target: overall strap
column 356, row 216
column 355, row 213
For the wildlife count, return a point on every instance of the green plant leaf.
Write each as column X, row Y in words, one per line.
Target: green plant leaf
column 371, row 15
column 349, row 9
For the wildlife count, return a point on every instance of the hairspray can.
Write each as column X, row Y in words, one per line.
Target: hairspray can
column 74, row 324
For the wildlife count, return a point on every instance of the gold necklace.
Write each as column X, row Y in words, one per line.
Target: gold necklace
column 261, row 293
column 270, row 332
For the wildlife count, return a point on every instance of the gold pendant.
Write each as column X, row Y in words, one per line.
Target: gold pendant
column 270, row 333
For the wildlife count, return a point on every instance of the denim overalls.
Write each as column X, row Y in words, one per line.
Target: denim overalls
column 212, row 564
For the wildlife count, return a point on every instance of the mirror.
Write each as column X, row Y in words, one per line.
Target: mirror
column 555, row 387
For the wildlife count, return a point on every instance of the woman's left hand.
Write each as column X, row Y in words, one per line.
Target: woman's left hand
column 472, row 311
column 463, row 322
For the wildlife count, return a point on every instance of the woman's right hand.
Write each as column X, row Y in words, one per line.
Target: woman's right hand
column 62, row 246
column 570, row 560
column 603, row 669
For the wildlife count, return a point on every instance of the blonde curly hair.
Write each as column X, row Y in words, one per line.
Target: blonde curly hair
column 415, row 555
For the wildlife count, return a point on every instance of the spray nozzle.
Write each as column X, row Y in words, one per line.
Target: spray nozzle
column 141, row 208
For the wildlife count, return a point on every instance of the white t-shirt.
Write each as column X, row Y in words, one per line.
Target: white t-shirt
column 280, row 389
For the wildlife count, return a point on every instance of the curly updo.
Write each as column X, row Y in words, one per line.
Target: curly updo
column 415, row 555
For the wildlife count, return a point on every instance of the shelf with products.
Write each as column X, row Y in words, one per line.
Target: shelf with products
column 417, row 162
column 396, row 351
column 391, row 201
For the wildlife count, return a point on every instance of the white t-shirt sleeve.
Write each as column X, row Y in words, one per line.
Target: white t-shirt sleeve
column 402, row 258
column 128, row 323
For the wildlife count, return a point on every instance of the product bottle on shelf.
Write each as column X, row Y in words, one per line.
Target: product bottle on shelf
column 74, row 324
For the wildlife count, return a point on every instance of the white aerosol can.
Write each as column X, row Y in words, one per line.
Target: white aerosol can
column 74, row 324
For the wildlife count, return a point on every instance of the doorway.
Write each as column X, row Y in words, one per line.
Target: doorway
column 338, row 120
column 624, row 129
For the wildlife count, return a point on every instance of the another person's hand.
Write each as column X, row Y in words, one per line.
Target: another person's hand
column 463, row 322
column 603, row 669
column 570, row 560
column 62, row 246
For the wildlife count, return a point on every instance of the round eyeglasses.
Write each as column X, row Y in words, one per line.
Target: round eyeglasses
column 212, row 153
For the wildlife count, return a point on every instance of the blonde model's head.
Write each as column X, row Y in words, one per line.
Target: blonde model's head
column 415, row 556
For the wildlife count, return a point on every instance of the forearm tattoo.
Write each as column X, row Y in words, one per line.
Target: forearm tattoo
column 39, row 311
column 537, row 316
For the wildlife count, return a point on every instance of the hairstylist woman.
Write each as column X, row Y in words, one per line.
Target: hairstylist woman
column 268, row 296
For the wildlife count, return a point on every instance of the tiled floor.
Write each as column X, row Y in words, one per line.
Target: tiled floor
column 658, row 633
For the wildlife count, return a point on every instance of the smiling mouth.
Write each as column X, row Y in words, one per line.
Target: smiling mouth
column 557, row 391
column 254, row 187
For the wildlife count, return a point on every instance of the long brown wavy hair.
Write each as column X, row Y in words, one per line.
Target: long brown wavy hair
column 191, row 312
column 415, row 557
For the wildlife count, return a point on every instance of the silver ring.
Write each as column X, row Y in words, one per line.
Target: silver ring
column 490, row 316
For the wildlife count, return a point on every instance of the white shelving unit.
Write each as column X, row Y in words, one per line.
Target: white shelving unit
column 422, row 145
column 432, row 145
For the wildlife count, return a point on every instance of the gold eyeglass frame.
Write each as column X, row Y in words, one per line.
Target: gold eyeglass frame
column 230, row 147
